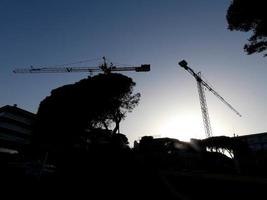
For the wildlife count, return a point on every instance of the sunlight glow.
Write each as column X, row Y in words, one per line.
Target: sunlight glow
column 182, row 127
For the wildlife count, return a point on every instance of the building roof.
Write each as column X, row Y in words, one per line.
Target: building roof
column 16, row 110
column 253, row 135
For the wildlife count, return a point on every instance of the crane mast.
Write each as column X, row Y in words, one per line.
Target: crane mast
column 201, row 84
column 204, row 108
column 105, row 67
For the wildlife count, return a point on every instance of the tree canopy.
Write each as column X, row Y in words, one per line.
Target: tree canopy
column 249, row 15
column 101, row 101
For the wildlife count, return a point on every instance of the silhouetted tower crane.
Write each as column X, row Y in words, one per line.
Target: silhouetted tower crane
column 201, row 84
column 105, row 67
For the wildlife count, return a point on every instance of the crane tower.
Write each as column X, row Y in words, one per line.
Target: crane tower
column 201, row 84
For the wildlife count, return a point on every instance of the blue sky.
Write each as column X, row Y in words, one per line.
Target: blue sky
column 157, row 32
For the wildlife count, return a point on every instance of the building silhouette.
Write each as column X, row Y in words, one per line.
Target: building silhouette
column 16, row 127
column 256, row 141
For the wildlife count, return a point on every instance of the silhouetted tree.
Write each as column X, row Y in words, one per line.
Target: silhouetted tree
column 249, row 15
column 74, row 110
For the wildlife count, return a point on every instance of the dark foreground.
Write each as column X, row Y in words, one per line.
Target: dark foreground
column 123, row 177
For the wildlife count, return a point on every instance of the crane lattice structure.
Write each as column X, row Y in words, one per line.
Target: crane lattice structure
column 105, row 67
column 201, row 84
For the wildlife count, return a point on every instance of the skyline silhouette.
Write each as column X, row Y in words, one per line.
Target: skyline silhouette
column 67, row 161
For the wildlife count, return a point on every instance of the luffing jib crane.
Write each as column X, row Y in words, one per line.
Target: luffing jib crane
column 201, row 84
column 105, row 67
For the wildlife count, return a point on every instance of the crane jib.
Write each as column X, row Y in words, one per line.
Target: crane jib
column 106, row 68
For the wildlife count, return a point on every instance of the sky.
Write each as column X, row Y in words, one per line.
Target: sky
column 134, row 32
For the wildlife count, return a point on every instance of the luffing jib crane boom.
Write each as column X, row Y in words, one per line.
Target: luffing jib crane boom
column 104, row 67
column 201, row 84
